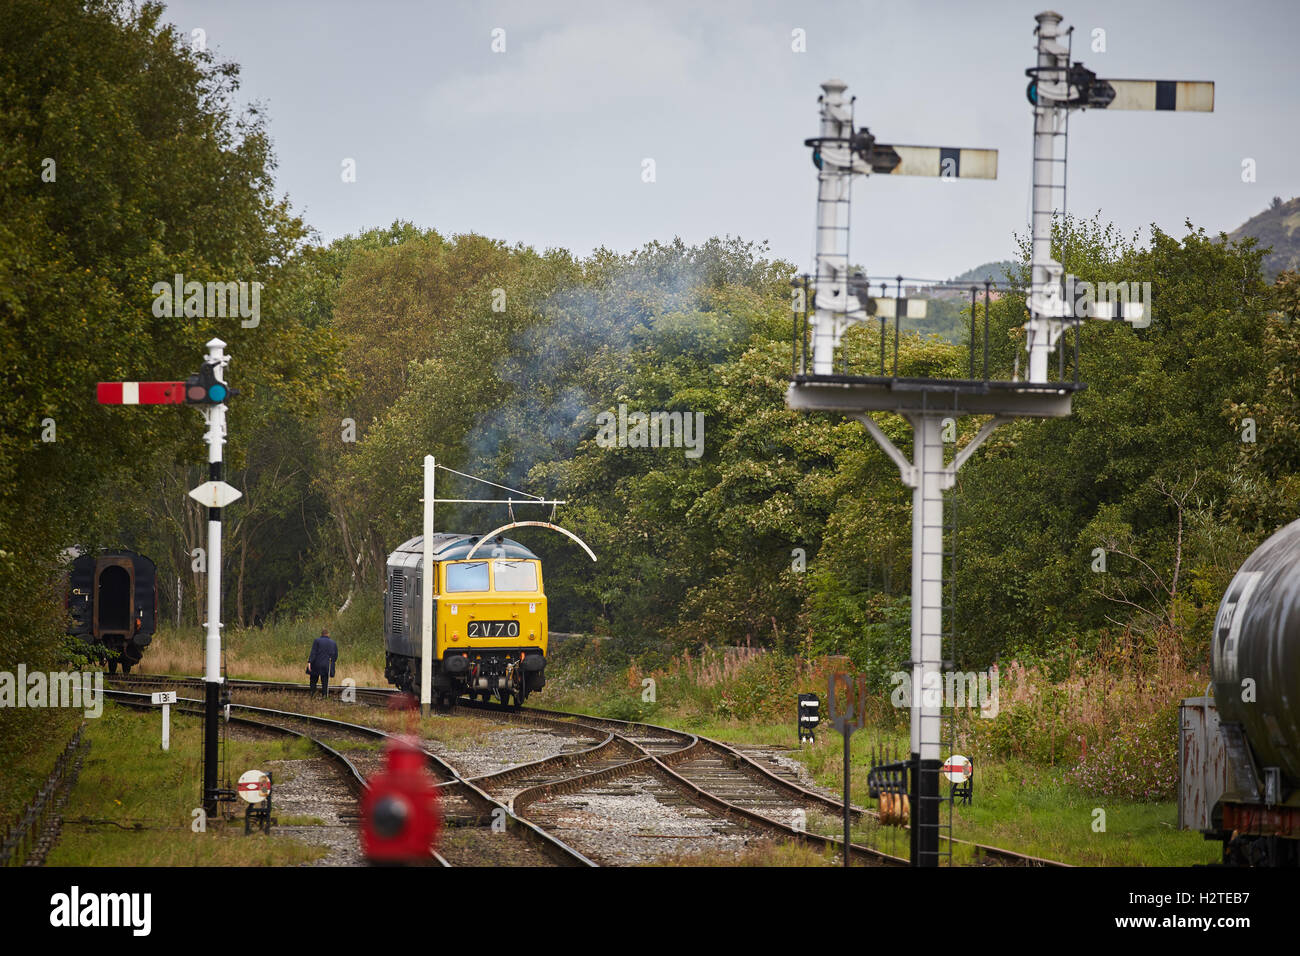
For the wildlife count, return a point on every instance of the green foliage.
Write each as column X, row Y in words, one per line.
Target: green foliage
column 872, row 630
column 696, row 550
column 1038, row 730
column 761, row 690
column 1140, row 763
column 123, row 162
column 787, row 531
column 1147, row 445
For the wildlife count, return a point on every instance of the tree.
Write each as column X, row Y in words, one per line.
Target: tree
column 124, row 161
column 1043, row 495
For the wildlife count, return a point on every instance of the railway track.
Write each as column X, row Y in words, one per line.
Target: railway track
column 659, row 761
column 478, row 830
column 680, row 768
column 370, row 695
column 717, row 768
column 351, row 772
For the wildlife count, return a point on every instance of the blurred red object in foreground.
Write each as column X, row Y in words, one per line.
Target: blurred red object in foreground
column 399, row 810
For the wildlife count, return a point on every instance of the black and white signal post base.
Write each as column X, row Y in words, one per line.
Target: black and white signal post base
column 925, row 403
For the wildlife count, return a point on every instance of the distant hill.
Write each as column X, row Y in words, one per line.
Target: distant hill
column 990, row 271
column 1277, row 226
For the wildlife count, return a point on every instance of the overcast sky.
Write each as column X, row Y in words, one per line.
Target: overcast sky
column 543, row 144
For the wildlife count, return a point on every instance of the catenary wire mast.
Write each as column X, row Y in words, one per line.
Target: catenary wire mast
column 841, row 299
column 208, row 389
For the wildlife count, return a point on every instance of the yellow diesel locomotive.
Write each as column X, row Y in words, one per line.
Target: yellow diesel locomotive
column 489, row 618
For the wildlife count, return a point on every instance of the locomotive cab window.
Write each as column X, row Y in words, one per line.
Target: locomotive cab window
column 514, row 575
column 467, row 576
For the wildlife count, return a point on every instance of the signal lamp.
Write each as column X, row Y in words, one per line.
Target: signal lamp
column 202, row 388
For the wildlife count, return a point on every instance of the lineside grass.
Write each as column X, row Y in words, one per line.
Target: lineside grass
column 133, row 803
column 279, row 650
column 262, row 654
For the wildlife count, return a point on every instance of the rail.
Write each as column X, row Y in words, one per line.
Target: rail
column 615, row 734
column 24, row 842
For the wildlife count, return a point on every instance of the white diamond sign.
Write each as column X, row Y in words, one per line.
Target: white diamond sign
column 215, row 494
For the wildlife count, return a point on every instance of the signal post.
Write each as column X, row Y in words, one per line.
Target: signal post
column 841, row 298
column 207, row 389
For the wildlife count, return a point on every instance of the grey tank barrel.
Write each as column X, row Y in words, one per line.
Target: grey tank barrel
column 1257, row 653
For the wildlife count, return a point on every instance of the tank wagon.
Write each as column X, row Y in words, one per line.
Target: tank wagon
column 1239, row 750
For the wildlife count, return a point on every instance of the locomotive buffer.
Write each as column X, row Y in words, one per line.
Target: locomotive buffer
column 841, row 300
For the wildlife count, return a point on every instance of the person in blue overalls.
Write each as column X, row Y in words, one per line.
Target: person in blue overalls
column 320, row 663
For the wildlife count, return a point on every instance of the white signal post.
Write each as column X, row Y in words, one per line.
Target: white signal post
column 834, row 189
column 215, row 494
column 208, row 388
column 840, row 152
column 1046, row 305
column 1057, row 87
column 839, row 300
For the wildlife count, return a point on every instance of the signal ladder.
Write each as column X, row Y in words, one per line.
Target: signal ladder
column 1046, row 163
column 834, row 215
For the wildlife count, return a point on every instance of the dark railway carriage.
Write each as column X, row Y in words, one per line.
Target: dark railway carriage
column 113, row 600
column 489, row 619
